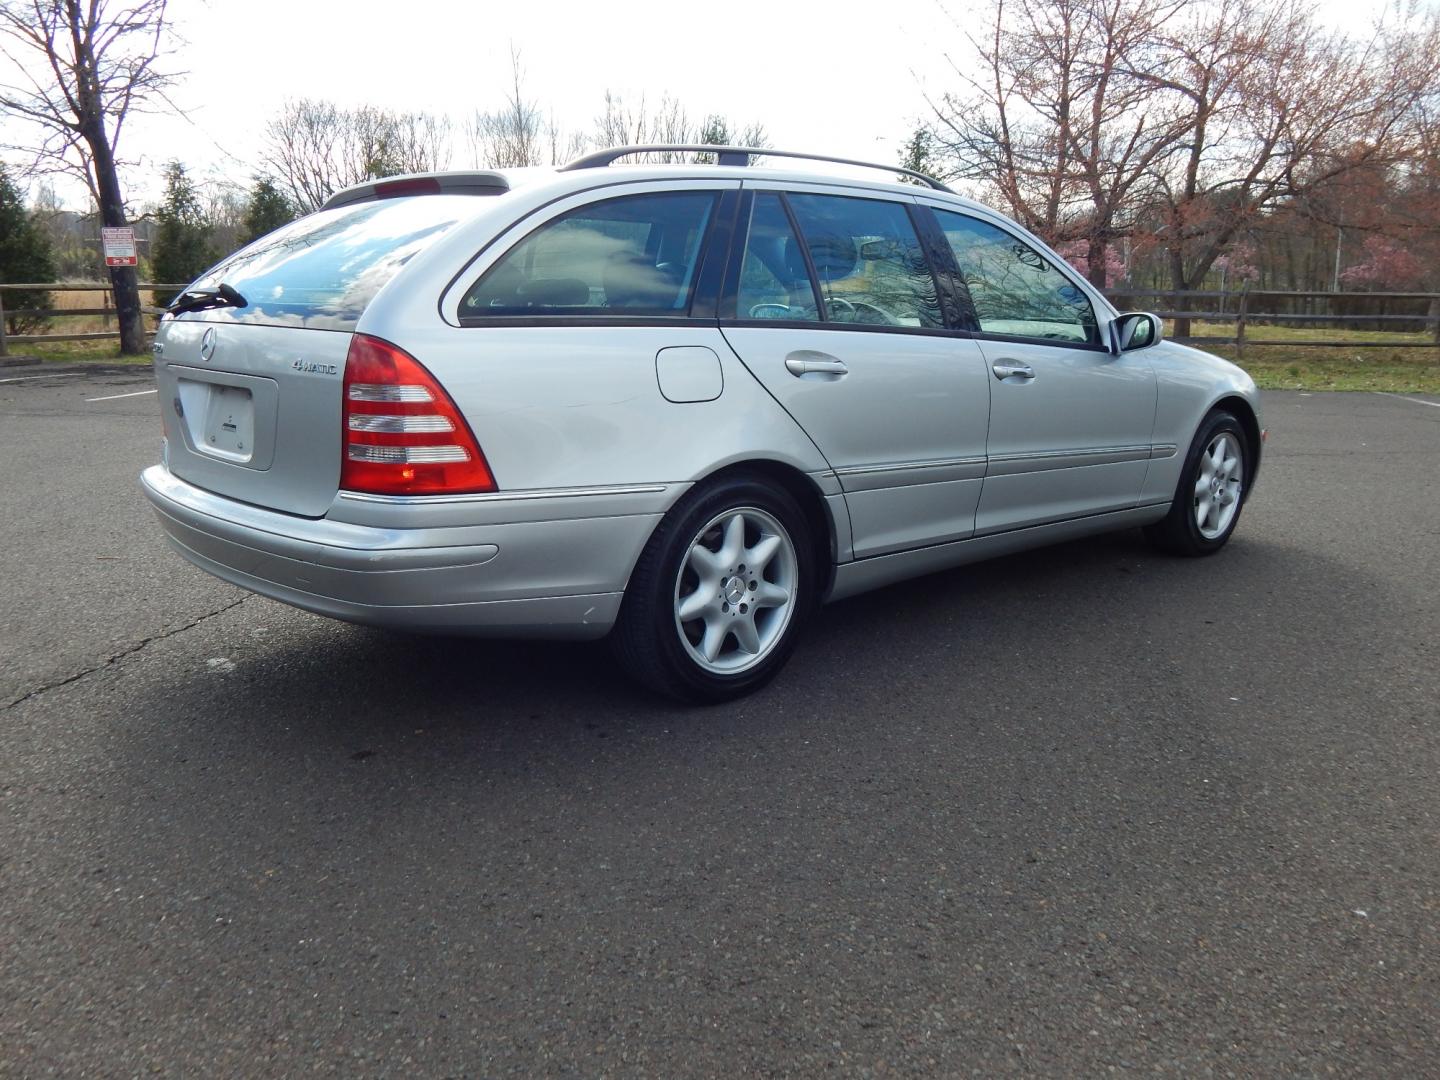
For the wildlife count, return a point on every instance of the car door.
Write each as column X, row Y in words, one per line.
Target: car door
column 1070, row 424
column 832, row 303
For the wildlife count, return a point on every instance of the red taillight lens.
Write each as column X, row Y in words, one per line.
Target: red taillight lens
column 402, row 433
column 394, row 189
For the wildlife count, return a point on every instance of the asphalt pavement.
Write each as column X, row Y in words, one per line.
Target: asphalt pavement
column 1084, row 811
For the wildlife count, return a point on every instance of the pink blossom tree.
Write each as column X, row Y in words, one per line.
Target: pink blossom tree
column 1388, row 264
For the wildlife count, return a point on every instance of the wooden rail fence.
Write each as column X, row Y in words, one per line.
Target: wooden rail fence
column 106, row 311
column 1244, row 308
column 1248, row 306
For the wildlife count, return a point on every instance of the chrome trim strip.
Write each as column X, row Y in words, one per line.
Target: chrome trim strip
column 860, row 470
column 1164, row 450
column 1046, row 460
column 500, row 496
column 903, row 474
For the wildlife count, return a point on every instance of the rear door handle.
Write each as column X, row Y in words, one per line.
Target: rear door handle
column 1006, row 369
column 806, row 362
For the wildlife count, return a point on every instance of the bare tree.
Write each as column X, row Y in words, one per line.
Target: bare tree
column 315, row 147
column 668, row 124
column 1291, row 110
column 388, row 143
column 76, row 71
column 637, row 125
column 1184, row 124
column 514, row 135
column 1061, row 120
column 225, row 203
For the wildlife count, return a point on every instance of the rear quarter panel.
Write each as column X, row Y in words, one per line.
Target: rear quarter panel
column 557, row 406
column 571, row 406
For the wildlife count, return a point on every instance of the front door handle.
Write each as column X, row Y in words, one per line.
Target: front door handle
column 806, row 362
column 1006, row 369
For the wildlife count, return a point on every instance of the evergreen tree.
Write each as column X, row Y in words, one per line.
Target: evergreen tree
column 266, row 211
column 24, row 256
column 919, row 155
column 182, row 246
column 715, row 131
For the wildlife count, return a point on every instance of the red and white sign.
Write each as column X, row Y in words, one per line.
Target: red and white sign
column 119, row 246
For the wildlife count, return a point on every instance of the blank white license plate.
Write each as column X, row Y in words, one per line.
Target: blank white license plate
column 229, row 428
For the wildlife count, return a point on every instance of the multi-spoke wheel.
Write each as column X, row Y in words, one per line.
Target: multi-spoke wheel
column 1211, row 490
column 1217, row 488
column 717, row 596
column 733, row 594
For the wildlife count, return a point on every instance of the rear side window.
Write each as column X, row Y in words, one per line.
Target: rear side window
column 634, row 255
column 774, row 280
column 868, row 261
column 1016, row 290
column 323, row 270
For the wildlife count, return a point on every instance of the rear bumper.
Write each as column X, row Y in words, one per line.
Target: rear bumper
column 557, row 578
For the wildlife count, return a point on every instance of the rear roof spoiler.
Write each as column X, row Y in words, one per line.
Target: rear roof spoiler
column 433, row 183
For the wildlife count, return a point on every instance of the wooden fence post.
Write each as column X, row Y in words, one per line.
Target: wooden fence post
column 2, row 322
column 1240, row 321
column 1434, row 327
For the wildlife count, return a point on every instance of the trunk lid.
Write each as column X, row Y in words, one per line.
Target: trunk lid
column 253, row 412
column 251, row 392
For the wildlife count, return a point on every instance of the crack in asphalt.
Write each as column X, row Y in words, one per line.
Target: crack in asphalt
column 110, row 661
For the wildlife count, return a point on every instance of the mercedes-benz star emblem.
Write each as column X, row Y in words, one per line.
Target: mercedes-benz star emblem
column 207, row 344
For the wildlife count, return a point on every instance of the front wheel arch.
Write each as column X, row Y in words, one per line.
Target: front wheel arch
column 1243, row 412
column 1178, row 532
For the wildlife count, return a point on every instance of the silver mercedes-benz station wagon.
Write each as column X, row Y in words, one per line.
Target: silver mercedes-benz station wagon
column 681, row 405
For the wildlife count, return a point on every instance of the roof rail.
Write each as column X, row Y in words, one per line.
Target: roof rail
column 736, row 155
column 430, row 183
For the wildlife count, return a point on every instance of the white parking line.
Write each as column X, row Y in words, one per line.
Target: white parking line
column 114, row 397
column 1416, row 400
column 60, row 375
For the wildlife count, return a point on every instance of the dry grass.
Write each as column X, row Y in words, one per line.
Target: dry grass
column 1261, row 332
column 85, row 324
column 1276, row 367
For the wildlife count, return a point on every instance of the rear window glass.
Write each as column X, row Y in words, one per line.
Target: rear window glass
column 323, row 270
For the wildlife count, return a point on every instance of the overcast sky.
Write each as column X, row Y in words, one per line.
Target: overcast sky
column 839, row 77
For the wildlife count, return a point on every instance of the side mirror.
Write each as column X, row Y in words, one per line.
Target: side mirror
column 1134, row 330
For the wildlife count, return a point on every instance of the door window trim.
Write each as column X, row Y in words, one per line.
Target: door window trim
column 966, row 303
column 729, row 296
column 508, row 239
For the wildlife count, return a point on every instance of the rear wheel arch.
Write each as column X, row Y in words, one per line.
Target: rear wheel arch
column 677, row 635
column 805, row 492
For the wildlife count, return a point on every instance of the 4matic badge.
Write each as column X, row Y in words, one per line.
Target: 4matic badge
column 309, row 367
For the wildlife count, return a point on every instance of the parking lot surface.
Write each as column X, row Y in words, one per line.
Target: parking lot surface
column 1078, row 811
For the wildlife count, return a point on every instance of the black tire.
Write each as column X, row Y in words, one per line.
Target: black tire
column 1180, row 532
column 649, row 640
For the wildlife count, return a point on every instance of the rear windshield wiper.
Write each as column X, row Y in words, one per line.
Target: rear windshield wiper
column 200, row 299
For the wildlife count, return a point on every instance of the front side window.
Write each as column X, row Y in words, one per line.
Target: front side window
column 1016, row 291
column 635, row 255
column 868, row 261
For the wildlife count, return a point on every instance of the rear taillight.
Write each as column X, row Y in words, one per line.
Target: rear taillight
column 403, row 434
